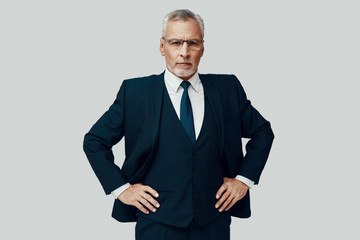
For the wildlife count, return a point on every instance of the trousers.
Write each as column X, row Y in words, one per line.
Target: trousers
column 218, row 229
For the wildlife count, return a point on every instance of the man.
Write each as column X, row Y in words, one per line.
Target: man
column 184, row 175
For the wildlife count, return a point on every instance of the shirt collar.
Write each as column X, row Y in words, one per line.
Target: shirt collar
column 174, row 81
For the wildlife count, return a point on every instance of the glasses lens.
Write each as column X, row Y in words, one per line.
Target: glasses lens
column 176, row 43
column 194, row 44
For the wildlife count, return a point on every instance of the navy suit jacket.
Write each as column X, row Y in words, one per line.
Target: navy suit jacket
column 135, row 114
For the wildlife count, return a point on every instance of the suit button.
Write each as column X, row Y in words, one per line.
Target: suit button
column 194, row 182
column 193, row 168
column 193, row 152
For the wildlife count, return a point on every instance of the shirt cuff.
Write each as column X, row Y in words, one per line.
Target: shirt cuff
column 119, row 190
column 245, row 180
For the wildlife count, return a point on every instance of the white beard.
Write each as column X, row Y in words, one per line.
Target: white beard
column 183, row 72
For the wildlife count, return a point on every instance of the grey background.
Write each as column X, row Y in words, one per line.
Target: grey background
column 62, row 63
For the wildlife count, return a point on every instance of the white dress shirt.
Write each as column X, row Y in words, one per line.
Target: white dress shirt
column 196, row 95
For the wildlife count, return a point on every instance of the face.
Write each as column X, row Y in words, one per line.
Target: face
column 182, row 62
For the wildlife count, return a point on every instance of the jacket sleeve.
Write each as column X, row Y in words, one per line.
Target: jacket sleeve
column 98, row 142
column 258, row 130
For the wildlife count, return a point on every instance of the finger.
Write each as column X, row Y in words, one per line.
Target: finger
column 144, row 202
column 141, row 208
column 149, row 198
column 226, row 203
column 233, row 201
column 151, row 191
column 221, row 190
column 222, row 199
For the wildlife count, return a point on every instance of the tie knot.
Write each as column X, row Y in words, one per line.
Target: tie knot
column 185, row 84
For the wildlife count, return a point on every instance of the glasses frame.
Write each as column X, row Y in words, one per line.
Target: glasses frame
column 182, row 42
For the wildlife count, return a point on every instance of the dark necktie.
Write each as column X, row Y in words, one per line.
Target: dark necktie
column 186, row 114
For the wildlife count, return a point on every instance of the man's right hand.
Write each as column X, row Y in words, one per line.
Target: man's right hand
column 140, row 196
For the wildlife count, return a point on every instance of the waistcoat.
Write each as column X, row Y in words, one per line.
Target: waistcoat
column 186, row 177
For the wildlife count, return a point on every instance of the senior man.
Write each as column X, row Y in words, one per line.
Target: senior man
column 184, row 174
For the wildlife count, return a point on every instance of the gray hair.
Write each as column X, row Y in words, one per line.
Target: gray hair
column 182, row 14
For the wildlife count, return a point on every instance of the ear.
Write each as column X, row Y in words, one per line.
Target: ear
column 202, row 51
column 162, row 50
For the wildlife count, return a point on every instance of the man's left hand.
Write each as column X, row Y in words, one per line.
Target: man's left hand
column 231, row 191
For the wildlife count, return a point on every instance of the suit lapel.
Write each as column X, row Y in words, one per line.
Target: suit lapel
column 156, row 100
column 213, row 96
column 157, row 93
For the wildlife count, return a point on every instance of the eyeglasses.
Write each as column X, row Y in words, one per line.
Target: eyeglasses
column 193, row 44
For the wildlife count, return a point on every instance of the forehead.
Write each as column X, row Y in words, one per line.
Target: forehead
column 183, row 29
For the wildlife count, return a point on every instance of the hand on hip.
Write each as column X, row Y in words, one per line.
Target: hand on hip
column 140, row 196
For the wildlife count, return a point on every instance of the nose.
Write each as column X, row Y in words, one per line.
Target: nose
column 184, row 50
